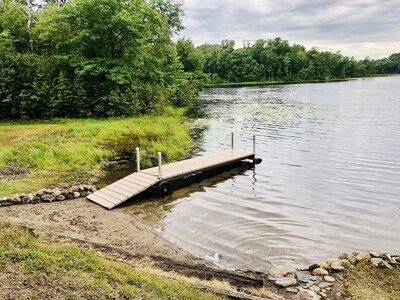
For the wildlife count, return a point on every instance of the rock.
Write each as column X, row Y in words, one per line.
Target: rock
column 320, row 272
column 343, row 256
column 48, row 191
column 363, row 257
column 376, row 261
column 94, row 189
column 329, row 279
column 81, row 188
column 60, row 198
column 346, row 263
column 352, row 259
column 36, row 200
column 313, row 267
column 387, row 265
column 324, row 285
column 16, row 200
column 374, row 254
column 337, row 267
column 314, row 288
column 64, row 192
column 56, row 193
column 25, row 200
column 325, row 265
column 282, row 271
column 6, row 202
column 69, row 196
column 40, row 193
column 307, row 295
column 76, row 194
column 286, row 282
column 47, row 198
column 323, row 295
column 74, row 189
column 307, row 278
column 292, row 290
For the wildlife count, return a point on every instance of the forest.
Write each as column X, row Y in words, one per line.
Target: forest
column 106, row 58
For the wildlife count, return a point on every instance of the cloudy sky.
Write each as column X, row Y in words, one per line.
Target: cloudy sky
column 358, row 28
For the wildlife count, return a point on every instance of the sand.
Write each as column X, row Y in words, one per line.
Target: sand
column 84, row 220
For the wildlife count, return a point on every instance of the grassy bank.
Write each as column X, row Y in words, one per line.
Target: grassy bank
column 33, row 155
column 369, row 282
column 31, row 269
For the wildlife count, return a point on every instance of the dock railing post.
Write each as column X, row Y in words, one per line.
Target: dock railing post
column 159, row 166
column 254, row 144
column 232, row 137
column 137, row 159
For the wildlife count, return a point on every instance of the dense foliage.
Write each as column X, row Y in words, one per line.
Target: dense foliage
column 90, row 58
column 277, row 60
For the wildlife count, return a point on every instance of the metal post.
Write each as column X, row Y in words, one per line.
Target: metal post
column 137, row 159
column 159, row 166
column 254, row 144
column 232, row 140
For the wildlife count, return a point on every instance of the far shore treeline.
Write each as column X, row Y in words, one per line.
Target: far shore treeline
column 106, row 58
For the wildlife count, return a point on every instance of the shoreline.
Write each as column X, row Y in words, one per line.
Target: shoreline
column 116, row 235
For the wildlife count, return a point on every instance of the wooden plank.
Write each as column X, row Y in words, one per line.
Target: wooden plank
column 110, row 195
column 125, row 189
column 111, row 190
column 101, row 201
column 131, row 183
column 121, row 191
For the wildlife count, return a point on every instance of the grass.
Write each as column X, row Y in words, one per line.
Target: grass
column 36, row 154
column 35, row 270
column 369, row 282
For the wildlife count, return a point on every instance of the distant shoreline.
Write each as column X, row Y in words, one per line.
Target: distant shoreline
column 262, row 83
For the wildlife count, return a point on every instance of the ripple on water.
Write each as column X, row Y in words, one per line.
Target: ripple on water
column 329, row 181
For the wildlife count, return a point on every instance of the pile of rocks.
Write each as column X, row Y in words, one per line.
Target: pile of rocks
column 317, row 280
column 48, row 195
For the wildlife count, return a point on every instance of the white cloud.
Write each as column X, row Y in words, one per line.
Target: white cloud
column 359, row 27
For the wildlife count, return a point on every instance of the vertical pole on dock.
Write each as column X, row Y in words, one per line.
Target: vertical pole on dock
column 137, row 159
column 254, row 144
column 159, row 166
column 232, row 140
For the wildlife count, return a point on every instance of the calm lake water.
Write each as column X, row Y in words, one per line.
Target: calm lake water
column 329, row 182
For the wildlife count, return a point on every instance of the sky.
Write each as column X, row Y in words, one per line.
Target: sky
column 358, row 28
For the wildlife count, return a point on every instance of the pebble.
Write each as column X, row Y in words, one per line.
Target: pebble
column 307, row 278
column 307, row 295
column 343, row 256
column 324, row 285
column 329, row 279
column 315, row 288
column 320, row 272
column 352, row 259
column 292, row 290
column 336, row 266
column 363, row 256
column 376, row 261
column 282, row 271
column 286, row 282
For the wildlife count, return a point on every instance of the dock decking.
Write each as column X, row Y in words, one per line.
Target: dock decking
column 130, row 186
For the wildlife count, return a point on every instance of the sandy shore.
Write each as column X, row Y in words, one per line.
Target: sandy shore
column 81, row 219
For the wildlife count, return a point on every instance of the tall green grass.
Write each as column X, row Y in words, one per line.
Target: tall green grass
column 69, row 149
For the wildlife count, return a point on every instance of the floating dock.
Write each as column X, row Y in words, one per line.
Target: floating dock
column 160, row 176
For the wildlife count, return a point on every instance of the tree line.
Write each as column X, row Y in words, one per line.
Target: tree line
column 277, row 60
column 90, row 58
column 102, row 58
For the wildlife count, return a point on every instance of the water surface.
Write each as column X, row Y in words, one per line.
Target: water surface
column 329, row 181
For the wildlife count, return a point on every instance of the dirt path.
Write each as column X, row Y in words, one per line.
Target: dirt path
column 81, row 219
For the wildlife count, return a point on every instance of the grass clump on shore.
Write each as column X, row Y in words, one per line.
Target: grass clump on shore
column 369, row 282
column 33, row 155
column 31, row 269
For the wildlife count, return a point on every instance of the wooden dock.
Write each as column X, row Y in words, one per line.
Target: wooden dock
column 160, row 176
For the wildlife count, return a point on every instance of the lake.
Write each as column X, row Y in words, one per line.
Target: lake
column 329, row 181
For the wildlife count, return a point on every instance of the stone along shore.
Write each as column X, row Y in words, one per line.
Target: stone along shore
column 316, row 281
column 67, row 192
